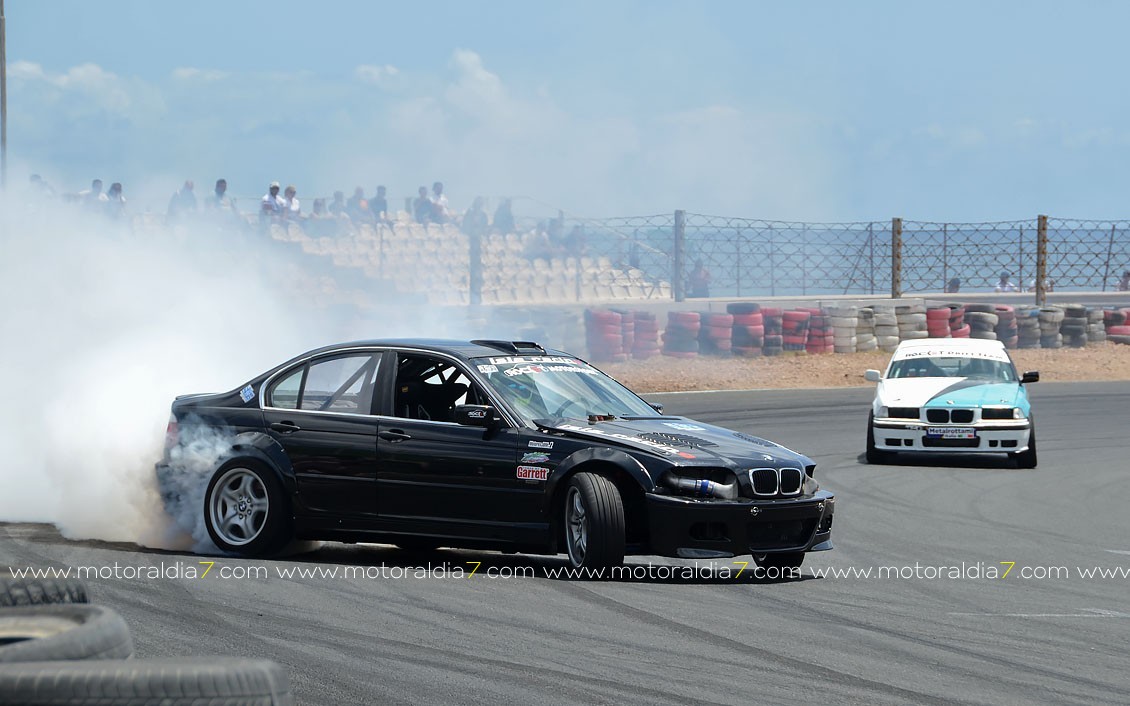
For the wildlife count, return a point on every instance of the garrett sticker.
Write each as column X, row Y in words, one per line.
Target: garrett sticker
column 535, row 457
column 532, row 473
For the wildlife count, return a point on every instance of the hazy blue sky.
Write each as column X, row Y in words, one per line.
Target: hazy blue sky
column 800, row 111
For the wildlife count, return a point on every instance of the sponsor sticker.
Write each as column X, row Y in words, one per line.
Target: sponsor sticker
column 683, row 427
column 488, row 369
column 247, row 394
column 541, row 444
column 535, row 457
column 532, row 473
column 534, row 359
column 954, row 353
column 952, row 432
column 477, row 414
column 664, row 448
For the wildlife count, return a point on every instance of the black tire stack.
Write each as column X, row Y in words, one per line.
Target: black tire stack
column 715, row 336
column 1074, row 326
column 1096, row 332
column 773, row 322
column 680, row 340
column 1027, row 326
column 794, row 330
column 958, row 327
column 1006, row 325
column 646, row 342
column 749, row 329
column 604, row 335
column 982, row 320
column 1050, row 317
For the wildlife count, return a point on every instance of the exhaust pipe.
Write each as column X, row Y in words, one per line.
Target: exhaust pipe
column 725, row 491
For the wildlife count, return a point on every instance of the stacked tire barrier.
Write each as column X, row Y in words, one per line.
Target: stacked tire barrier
column 680, row 339
column 1006, row 325
column 958, row 327
column 774, row 339
column 1096, row 332
column 911, row 321
column 938, row 322
column 821, row 337
column 794, row 330
column 1050, row 318
column 886, row 328
column 1074, row 326
column 865, row 331
column 1115, row 321
column 845, row 329
column 982, row 320
column 646, row 342
column 604, row 334
column 748, row 337
column 1028, row 326
column 715, row 335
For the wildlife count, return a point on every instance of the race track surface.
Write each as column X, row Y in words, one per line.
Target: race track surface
column 1043, row 633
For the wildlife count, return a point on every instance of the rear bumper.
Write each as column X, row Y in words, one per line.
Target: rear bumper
column 688, row 528
column 1007, row 437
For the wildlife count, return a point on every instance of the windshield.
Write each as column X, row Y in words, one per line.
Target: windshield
column 953, row 367
column 543, row 387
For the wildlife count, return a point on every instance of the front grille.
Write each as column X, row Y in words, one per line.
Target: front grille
column 951, row 443
column 961, row 416
column 779, row 535
column 903, row 412
column 769, row 482
column 938, row 416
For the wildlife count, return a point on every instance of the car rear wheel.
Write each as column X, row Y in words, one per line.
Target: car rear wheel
column 874, row 455
column 593, row 522
column 1027, row 459
column 245, row 510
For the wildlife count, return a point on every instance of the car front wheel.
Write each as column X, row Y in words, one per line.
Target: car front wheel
column 245, row 509
column 593, row 520
column 1027, row 459
column 874, row 455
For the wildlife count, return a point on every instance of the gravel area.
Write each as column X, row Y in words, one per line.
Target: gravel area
column 1106, row 361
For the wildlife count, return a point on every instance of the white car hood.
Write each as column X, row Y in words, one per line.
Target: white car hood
column 918, row 392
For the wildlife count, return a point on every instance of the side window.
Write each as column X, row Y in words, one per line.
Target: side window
column 429, row 388
column 284, row 393
column 340, row 384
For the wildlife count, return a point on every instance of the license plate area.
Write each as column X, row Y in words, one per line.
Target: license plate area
column 951, row 432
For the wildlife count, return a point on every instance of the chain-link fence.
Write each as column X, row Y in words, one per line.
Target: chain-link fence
column 971, row 256
column 1084, row 254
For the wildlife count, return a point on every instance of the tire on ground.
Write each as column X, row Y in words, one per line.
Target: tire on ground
column 63, row 633
column 174, row 681
column 601, row 522
column 19, row 592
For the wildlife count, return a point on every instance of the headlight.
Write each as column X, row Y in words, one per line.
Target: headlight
column 883, row 412
column 809, row 486
column 1017, row 414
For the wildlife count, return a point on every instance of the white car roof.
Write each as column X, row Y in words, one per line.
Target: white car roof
column 951, row 347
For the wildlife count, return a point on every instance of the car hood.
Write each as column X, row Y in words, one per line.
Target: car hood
column 944, row 392
column 683, row 440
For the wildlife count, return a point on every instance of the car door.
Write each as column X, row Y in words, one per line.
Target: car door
column 438, row 476
column 320, row 413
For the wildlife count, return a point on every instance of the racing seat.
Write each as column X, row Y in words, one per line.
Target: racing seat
column 418, row 400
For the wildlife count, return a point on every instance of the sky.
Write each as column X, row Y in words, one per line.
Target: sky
column 814, row 111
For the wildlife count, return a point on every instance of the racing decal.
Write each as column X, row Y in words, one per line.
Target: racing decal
column 1000, row 355
column 247, row 394
column 535, row 457
column 534, row 359
column 541, row 444
column 683, row 427
column 534, row 369
column 477, row 414
column 488, row 369
column 664, row 448
column 532, row 473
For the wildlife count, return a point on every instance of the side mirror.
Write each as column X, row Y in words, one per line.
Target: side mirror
column 872, row 376
column 656, row 406
column 1030, row 376
column 475, row 415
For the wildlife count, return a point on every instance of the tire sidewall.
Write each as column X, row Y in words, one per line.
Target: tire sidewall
column 275, row 532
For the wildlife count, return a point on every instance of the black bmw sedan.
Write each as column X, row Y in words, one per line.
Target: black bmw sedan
column 485, row 444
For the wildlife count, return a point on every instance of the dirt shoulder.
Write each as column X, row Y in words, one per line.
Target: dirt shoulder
column 1107, row 361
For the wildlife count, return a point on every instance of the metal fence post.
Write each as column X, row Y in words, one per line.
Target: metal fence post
column 772, row 265
column 1020, row 267
column 1109, row 255
column 678, row 261
column 896, row 258
column 738, row 259
column 1041, row 260
column 945, row 255
column 871, row 252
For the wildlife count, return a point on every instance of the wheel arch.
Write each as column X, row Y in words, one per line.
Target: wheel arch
column 626, row 473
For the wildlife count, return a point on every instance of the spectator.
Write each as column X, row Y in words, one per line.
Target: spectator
column 321, row 221
column 41, row 188
column 422, row 208
column 93, row 196
column 475, row 220
column 441, row 212
column 183, row 200
column 953, row 286
column 698, row 284
column 337, row 207
column 271, row 205
column 378, row 206
column 358, row 208
column 219, row 200
column 1049, row 285
column 115, row 202
column 1124, row 283
column 503, row 218
column 292, row 209
column 1005, row 285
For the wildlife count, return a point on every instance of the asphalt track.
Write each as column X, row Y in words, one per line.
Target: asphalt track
column 712, row 639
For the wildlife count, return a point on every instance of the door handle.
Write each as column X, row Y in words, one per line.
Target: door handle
column 394, row 435
column 285, row 427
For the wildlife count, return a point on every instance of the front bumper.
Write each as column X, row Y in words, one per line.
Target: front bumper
column 1006, row 436
column 701, row 529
